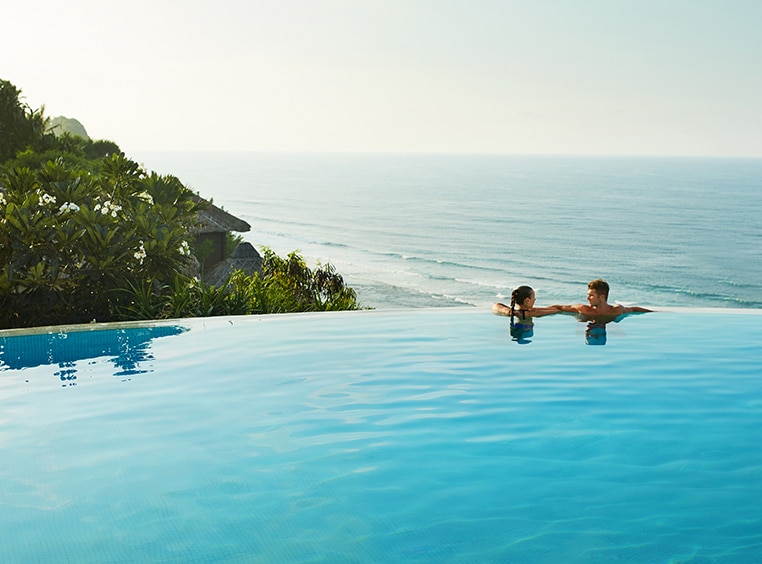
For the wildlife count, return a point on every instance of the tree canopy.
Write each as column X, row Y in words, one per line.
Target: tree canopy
column 17, row 121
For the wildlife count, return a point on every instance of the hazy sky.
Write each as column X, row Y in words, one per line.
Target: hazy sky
column 661, row 77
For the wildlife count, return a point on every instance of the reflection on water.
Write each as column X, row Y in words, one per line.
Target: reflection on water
column 128, row 348
column 522, row 331
column 595, row 332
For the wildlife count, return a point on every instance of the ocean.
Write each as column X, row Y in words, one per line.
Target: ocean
column 432, row 230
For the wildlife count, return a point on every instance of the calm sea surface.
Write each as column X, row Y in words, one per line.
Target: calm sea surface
column 442, row 230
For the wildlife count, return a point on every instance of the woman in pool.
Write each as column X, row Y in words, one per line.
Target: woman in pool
column 522, row 306
column 522, row 311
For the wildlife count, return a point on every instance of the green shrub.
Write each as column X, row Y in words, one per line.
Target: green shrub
column 72, row 241
column 284, row 286
column 292, row 286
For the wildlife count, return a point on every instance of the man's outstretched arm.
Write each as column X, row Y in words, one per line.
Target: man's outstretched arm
column 637, row 309
column 567, row 308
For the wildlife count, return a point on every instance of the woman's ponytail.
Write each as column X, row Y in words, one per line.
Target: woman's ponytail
column 519, row 296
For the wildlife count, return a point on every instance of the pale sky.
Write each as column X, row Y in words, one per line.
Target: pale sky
column 628, row 77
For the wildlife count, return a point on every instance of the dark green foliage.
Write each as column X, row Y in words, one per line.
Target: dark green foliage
column 28, row 131
column 27, row 140
column 285, row 286
column 18, row 123
column 100, row 148
column 34, row 160
column 70, row 241
column 231, row 242
column 292, row 286
column 185, row 297
column 82, row 153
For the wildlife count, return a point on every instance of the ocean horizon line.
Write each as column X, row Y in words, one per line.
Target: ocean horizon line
column 272, row 152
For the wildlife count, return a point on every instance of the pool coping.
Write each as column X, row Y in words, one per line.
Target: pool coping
column 115, row 325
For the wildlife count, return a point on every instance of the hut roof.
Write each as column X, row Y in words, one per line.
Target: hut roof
column 215, row 220
column 245, row 257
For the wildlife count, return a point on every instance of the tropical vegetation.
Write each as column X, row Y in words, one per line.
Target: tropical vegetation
column 86, row 234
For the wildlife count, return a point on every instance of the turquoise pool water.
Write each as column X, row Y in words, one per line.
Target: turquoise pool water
column 395, row 436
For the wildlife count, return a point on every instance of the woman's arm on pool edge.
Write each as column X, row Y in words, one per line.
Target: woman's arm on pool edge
column 540, row 311
column 501, row 309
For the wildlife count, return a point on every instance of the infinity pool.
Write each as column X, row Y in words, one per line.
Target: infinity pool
column 394, row 436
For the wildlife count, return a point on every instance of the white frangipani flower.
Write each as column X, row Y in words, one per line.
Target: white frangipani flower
column 47, row 199
column 68, row 206
column 108, row 208
column 140, row 254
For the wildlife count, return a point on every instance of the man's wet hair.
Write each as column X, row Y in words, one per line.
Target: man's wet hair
column 601, row 287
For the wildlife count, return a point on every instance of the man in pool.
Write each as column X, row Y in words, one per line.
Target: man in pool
column 597, row 297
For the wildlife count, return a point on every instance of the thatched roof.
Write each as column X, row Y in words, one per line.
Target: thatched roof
column 216, row 220
column 245, row 257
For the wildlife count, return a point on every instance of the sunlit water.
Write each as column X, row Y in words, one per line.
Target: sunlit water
column 384, row 436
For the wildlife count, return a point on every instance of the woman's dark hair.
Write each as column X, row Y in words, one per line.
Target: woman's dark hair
column 518, row 296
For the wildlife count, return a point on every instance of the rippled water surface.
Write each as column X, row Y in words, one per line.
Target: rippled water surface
column 427, row 435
